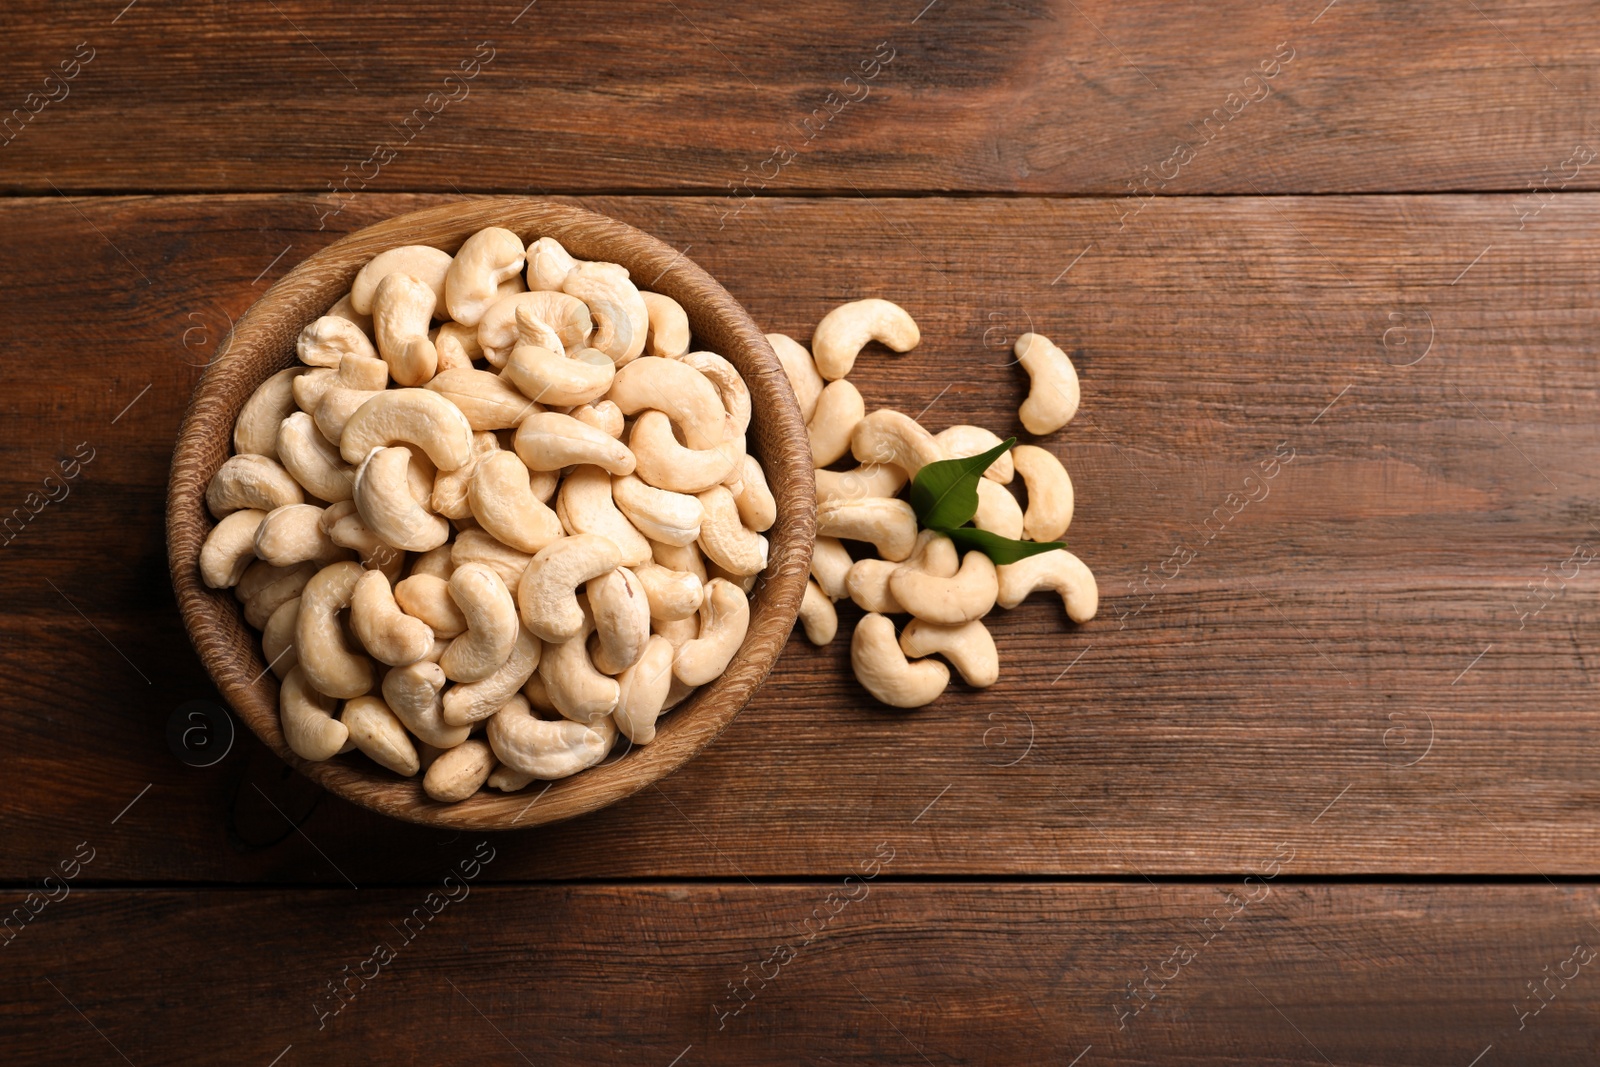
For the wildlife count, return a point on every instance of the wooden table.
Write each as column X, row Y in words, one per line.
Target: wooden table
column 1317, row 786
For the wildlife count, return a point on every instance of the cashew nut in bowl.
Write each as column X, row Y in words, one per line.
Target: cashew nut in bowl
column 548, row 264
column 642, row 691
column 724, row 538
column 546, row 596
column 330, row 665
column 724, row 620
column 664, row 516
column 412, row 693
column 427, row 597
column 389, row 507
column 575, row 686
column 669, row 326
column 294, row 534
column 388, row 634
column 1057, row 570
column 724, row 376
column 426, row 264
column 888, row 523
column 561, row 321
column 840, row 410
column 357, row 380
column 968, row 646
column 437, row 564
column 491, row 616
column 471, row 701
column 256, row 430
column 379, row 734
column 621, row 620
column 686, row 558
column 603, row 415
column 1053, row 392
column 343, row 308
column 402, row 307
column 251, row 482
column 548, row 442
column 961, row 441
column 882, row 669
column 409, row 416
column 503, row 501
column 888, row 436
column 476, row 546
column 621, row 319
column 277, row 638
column 800, row 369
column 265, row 588
column 546, row 749
column 472, row 284
column 664, row 463
column 449, row 497
column 459, row 772
column 843, row 332
column 998, row 511
column 345, row 528
column 758, row 508
column 670, row 594
column 309, row 728
column 686, row 395
column 507, row 779
column 329, row 339
column 312, row 460
column 818, row 616
column 830, row 566
column 969, row 595
column 457, row 346
column 560, row 380
column 1050, row 497
column 872, row 479
column 489, row 401
column 585, row 506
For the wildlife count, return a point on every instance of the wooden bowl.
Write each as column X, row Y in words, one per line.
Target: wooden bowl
column 263, row 342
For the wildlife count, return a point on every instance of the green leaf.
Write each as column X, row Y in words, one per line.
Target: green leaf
column 1000, row 549
column 945, row 493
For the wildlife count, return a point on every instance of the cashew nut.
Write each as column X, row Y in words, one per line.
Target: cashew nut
column 472, row 284
column 969, row 646
column 731, row 389
column 959, row 442
column 427, row 597
column 724, row 620
column 545, row 749
column 503, row 501
column 830, row 566
column 671, row 518
column 603, row 415
column 685, row 394
column 745, row 582
column 389, row 505
column 677, row 632
column 888, row 523
column 457, row 346
column 1058, row 570
column 534, row 692
column 642, row 690
column 934, row 554
column 998, row 511
column 888, row 436
column 575, row 686
column 546, row 596
column 345, row 528
column 800, row 369
column 388, row 634
column 1053, row 385
column 969, row 595
column 686, row 558
column 671, row 594
column 460, row 772
column 548, row 319
column 255, row 432
column 669, row 326
column 277, row 638
column 843, row 332
column 467, row 703
column 881, row 667
column 621, row 620
column 548, row 442
column 309, row 728
column 476, row 546
column 840, row 410
column 621, row 318
column 330, row 665
column 378, row 733
column 357, row 380
column 818, row 616
column 666, row 464
column 560, row 380
column 873, row 479
column 491, row 617
column 436, row 563
column 489, row 401
column 265, row 588
column 548, row 264
column 251, row 482
column 426, row 264
column 584, row 506
column 294, row 534
column 327, row 340
column 409, row 416
column 1050, row 497
column 867, row 583
column 412, row 693
column 450, row 488
column 402, row 307
column 312, row 460
column 758, row 509
column 343, row 308
column 507, row 779
column 724, row 538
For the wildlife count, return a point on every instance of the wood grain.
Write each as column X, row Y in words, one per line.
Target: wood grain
column 901, row 974
column 1348, row 664
column 1069, row 96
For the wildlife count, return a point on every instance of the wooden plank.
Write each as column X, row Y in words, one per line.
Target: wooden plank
column 1065, row 97
column 698, row 973
column 1350, row 663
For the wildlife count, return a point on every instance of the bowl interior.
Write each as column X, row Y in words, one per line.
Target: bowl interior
column 262, row 343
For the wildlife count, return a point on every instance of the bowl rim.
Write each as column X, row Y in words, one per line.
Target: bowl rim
column 262, row 343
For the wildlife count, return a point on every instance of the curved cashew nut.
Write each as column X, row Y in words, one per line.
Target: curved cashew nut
column 450, row 488
column 294, row 534
column 843, row 332
column 670, row 594
column 312, row 460
column 472, row 701
column 388, row 634
column 934, row 554
column 642, row 690
column 969, row 646
column 326, row 341
column 1050, row 496
column 277, row 638
column 548, row 264
column 603, row 415
column 309, row 728
column 888, row 436
column 491, row 616
column 336, row 398
column 409, row 416
column 457, row 346
column 460, row 772
column 948, row 601
column 745, row 582
column 665, row 464
column 503, row 501
column 881, row 667
column 724, row 538
column 255, row 432
column 330, row 665
column 402, row 307
column 685, row 394
column 477, row 546
column 541, row 748
column 1053, row 385
column 427, row 264
column 546, row 595
column 345, row 528
column 800, row 369
column 575, row 686
column 686, row 558
column 313, row 384
column 998, row 511
column 669, row 326
column 724, row 620
column 818, row 616
column 436, row 564
column 677, row 632
column 840, row 410
column 548, row 441
column 472, row 284
column 758, row 508
column 830, row 566
column 730, row 386
column 412, row 693
column 265, row 588
column 379, row 734
column 584, row 506
column 888, row 523
column 549, row 319
column 872, row 479
column 489, row 401
column 251, row 482
column 559, row 380
column 1058, row 570
column 427, row 597
column 621, row 318
column 959, row 442
column 389, row 507
column 231, row 547
column 664, row 516
column 621, row 620
column 867, row 583
column 344, row 309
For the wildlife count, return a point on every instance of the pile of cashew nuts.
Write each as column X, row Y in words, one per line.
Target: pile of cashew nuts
column 499, row 516
column 919, row 573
